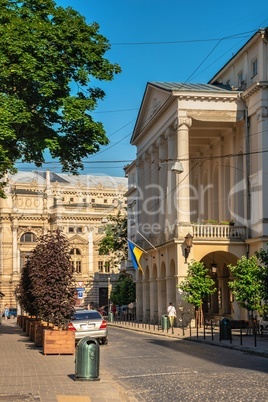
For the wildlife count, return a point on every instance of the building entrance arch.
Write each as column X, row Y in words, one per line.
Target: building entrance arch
column 220, row 302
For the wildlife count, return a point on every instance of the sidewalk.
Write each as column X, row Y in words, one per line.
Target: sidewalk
column 28, row 375
column 248, row 341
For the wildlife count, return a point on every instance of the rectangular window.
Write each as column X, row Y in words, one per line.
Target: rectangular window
column 107, row 267
column 240, row 79
column 79, row 230
column 93, row 200
column 71, row 229
column 71, row 199
column 100, row 266
column 254, row 67
column 105, row 201
column 78, row 267
column 23, row 257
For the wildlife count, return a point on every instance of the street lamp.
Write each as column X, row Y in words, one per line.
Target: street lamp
column 188, row 245
column 109, row 294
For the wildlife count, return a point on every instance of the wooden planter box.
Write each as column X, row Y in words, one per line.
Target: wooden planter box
column 32, row 328
column 29, row 320
column 23, row 322
column 38, row 335
column 56, row 342
column 19, row 317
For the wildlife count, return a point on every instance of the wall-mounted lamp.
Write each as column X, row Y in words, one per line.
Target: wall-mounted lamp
column 177, row 168
column 188, row 245
column 213, row 266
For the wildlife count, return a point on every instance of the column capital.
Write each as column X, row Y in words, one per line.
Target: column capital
column 160, row 141
column 182, row 121
column 168, row 133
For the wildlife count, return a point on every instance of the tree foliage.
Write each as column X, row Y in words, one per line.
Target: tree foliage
column 247, row 285
column 23, row 291
column 124, row 292
column 262, row 255
column 114, row 242
column 197, row 284
column 48, row 57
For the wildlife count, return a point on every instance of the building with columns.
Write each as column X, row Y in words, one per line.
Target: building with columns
column 200, row 175
column 37, row 202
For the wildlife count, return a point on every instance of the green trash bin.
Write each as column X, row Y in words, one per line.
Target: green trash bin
column 110, row 317
column 165, row 325
column 225, row 329
column 87, row 359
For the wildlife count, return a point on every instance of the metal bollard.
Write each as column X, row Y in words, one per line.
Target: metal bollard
column 87, row 360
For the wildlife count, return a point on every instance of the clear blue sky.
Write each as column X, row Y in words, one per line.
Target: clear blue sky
column 155, row 40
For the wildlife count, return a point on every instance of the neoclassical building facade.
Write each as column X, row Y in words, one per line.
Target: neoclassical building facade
column 197, row 189
column 37, row 202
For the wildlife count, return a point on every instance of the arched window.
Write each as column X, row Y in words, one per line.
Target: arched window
column 76, row 260
column 28, row 237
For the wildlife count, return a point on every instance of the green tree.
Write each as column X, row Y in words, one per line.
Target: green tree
column 48, row 57
column 196, row 286
column 262, row 255
column 124, row 292
column 247, row 285
column 114, row 241
column 52, row 279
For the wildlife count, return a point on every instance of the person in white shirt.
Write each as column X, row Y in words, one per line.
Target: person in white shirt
column 171, row 311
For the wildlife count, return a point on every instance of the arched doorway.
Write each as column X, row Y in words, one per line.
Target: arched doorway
column 219, row 303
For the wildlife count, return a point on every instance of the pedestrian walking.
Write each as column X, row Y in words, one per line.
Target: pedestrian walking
column 6, row 311
column 171, row 311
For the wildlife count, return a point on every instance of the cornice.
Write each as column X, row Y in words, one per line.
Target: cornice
column 255, row 87
column 208, row 97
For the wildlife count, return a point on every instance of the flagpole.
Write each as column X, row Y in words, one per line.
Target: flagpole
column 147, row 241
column 137, row 246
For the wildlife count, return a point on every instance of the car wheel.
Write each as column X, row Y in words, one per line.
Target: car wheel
column 104, row 341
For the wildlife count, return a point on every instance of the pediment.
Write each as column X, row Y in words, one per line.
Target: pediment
column 76, row 239
column 153, row 99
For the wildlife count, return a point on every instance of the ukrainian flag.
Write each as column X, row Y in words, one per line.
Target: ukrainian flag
column 135, row 253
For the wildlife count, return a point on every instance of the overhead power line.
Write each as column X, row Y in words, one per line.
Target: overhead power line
column 235, row 36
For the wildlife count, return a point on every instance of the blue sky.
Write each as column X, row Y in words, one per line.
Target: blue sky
column 155, row 40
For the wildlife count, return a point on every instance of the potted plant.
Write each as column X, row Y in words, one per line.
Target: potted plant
column 211, row 222
column 52, row 289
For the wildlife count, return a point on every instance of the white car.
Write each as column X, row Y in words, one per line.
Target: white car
column 89, row 323
column 263, row 323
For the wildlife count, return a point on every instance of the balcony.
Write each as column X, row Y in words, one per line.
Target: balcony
column 219, row 233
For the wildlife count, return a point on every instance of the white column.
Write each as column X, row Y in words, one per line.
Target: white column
column 162, row 182
column 170, row 211
column 14, row 247
column 182, row 180
column 153, row 205
column 90, row 251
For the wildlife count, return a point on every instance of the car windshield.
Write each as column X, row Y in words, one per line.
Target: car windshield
column 87, row 316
